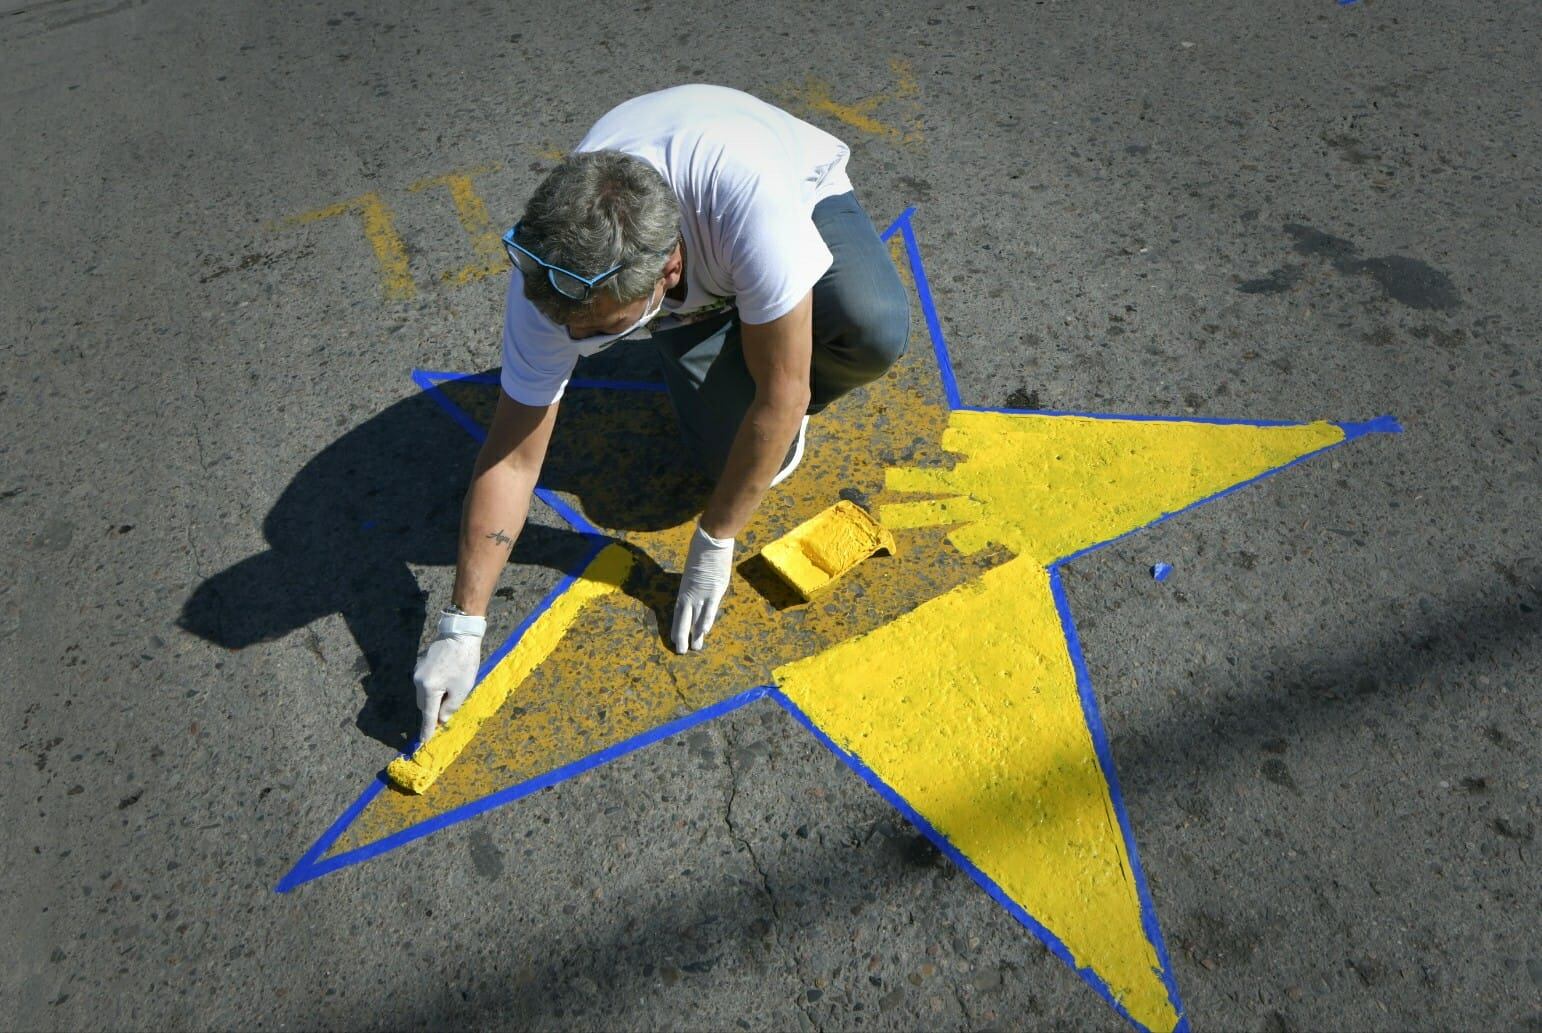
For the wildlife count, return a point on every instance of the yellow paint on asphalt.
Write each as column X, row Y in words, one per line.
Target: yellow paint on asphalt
column 1048, row 486
column 968, row 708
column 605, row 574
column 818, row 96
column 380, row 230
column 901, row 261
column 486, row 240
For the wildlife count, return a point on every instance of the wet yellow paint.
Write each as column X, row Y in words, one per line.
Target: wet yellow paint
column 1049, row 486
column 982, row 732
column 380, row 230
column 471, row 210
column 814, row 554
column 605, row 574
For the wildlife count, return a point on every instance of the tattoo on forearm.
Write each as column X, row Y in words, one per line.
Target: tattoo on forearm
column 501, row 538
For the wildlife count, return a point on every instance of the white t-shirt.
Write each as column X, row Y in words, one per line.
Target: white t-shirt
column 747, row 176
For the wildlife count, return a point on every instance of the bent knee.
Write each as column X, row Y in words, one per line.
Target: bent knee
column 879, row 333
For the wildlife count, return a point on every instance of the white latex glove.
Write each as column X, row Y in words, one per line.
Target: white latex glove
column 708, row 565
column 447, row 669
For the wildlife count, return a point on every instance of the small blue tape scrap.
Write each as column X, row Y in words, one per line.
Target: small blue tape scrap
column 1346, row 3
column 1162, row 571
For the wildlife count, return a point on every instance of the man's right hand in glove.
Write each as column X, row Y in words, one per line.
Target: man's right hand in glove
column 448, row 669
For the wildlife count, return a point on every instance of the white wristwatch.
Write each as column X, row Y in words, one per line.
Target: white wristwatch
column 453, row 622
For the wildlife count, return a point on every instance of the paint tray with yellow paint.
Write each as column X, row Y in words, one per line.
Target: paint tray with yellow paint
column 813, row 555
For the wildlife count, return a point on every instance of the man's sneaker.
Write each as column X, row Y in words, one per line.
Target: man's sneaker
column 794, row 457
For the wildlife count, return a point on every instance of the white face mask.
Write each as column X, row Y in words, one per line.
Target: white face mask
column 649, row 312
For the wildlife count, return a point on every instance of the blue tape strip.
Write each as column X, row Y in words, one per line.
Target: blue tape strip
column 314, row 869
column 337, row 827
column 933, row 324
column 566, row 511
column 1136, row 417
column 431, row 389
column 297, row 874
column 1148, row 916
column 1380, row 425
column 899, row 221
column 953, row 854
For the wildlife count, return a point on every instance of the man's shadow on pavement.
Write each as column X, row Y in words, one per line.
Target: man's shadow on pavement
column 388, row 493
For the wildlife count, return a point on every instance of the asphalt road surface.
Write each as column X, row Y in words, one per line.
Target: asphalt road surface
column 231, row 231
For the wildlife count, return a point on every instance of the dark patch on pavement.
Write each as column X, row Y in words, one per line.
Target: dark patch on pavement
column 1407, row 281
column 1349, row 149
column 486, row 858
column 1410, row 282
column 54, row 536
column 1275, row 771
column 1022, row 398
column 918, row 189
column 1213, row 941
column 1515, row 830
column 1275, row 281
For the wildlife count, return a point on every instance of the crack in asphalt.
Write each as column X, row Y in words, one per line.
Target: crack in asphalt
column 743, row 842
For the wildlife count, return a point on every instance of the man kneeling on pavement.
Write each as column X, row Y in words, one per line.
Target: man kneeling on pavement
column 730, row 228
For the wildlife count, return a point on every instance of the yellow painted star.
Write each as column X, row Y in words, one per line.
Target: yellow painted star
column 947, row 675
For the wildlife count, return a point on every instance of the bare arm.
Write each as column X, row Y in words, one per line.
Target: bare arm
column 777, row 354
column 498, row 500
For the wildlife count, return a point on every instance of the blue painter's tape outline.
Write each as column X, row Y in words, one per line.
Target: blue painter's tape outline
column 312, row 866
column 928, row 308
column 1100, row 744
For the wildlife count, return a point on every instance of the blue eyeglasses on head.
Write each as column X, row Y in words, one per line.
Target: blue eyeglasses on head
column 564, row 281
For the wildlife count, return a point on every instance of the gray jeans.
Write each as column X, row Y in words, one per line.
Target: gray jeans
column 861, row 327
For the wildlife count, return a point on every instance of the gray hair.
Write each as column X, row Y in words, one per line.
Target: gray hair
column 594, row 211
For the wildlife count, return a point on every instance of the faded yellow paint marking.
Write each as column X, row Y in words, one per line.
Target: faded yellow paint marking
column 818, row 95
column 901, row 261
column 1049, row 486
column 551, row 154
column 968, row 708
column 380, row 230
column 486, row 241
column 605, row 574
